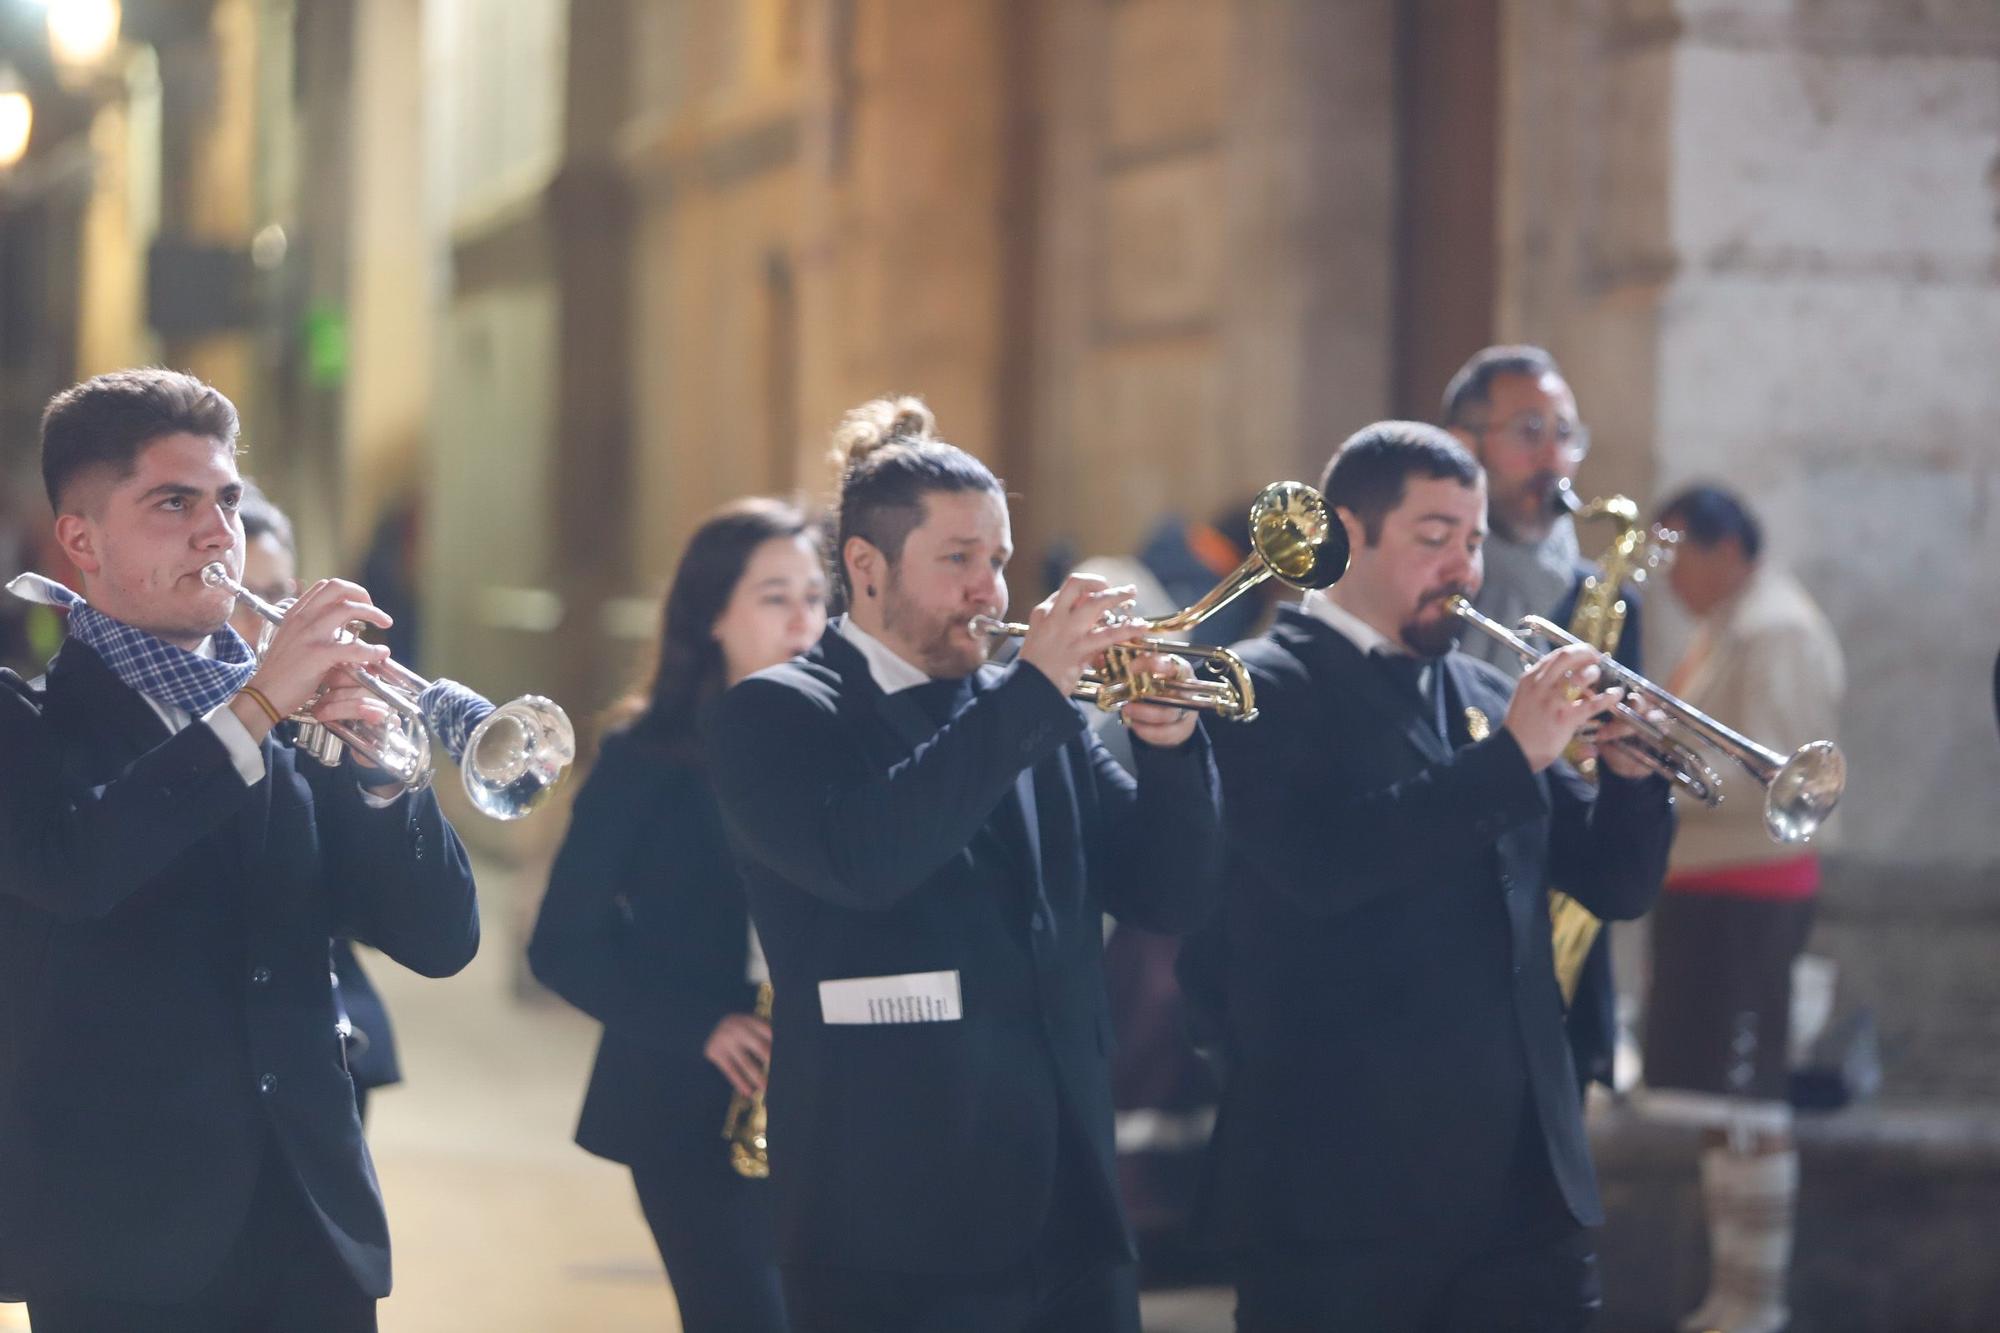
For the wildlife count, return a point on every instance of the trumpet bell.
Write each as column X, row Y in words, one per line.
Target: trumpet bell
column 515, row 756
column 1804, row 791
column 1296, row 536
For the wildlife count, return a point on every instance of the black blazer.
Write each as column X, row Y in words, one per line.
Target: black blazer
column 371, row 1054
column 877, row 843
column 1391, row 1002
column 166, row 1008
column 645, row 928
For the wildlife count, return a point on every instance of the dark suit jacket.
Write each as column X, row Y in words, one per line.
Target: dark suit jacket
column 646, row 929
column 166, row 1009
column 877, row 843
column 371, row 1053
column 1392, row 1009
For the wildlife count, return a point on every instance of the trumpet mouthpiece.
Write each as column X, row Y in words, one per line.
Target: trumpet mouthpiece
column 216, row 575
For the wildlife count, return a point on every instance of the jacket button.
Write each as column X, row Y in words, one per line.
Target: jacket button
column 267, row 1084
column 260, row 976
column 1038, row 922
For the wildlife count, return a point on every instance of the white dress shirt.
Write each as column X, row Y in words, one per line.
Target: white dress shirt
column 890, row 671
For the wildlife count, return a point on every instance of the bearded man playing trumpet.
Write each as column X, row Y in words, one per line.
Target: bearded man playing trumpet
column 930, row 844
column 1400, row 1146
column 179, row 1146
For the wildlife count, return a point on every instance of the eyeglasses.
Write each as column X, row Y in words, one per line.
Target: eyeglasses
column 1531, row 431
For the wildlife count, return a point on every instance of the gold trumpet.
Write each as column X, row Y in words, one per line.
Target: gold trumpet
column 1800, row 789
column 744, row 1126
column 1293, row 538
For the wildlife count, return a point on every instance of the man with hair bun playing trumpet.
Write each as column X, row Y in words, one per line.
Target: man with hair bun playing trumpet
column 1400, row 1146
column 929, row 845
column 179, row 1148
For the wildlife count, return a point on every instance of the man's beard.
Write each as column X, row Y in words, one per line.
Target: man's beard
column 942, row 647
column 1533, row 510
column 1434, row 638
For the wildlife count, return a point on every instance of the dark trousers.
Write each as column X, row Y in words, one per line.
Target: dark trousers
column 1074, row 1280
column 1516, row 1263
column 1546, row 1285
column 1030, row 1297
column 714, row 1231
column 281, row 1276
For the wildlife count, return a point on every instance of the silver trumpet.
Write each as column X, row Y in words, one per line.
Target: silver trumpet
column 1800, row 789
column 511, row 757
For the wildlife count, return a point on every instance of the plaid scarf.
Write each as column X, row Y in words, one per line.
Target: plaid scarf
column 453, row 711
column 152, row 666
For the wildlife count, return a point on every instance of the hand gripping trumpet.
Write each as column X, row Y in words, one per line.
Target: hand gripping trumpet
column 1293, row 539
column 1800, row 789
column 511, row 756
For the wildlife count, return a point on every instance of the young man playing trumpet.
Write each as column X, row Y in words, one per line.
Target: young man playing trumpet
column 179, row 1148
column 1400, row 1146
column 929, row 846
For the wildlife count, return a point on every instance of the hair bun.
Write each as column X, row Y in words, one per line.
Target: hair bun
column 877, row 425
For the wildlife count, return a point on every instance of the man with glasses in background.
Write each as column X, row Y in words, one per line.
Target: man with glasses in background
column 1511, row 406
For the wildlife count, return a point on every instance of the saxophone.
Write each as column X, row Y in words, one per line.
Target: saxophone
column 1599, row 620
column 743, row 1127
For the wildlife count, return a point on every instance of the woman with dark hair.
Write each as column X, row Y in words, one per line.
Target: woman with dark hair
column 645, row 927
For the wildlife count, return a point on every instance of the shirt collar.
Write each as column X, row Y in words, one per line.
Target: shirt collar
column 890, row 671
column 1351, row 627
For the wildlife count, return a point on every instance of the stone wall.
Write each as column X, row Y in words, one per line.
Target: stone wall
column 1763, row 238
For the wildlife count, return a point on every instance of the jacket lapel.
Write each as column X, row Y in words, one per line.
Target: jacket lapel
column 1331, row 656
column 1014, row 819
column 125, row 727
column 1520, row 848
column 120, row 719
column 253, row 821
column 1016, row 816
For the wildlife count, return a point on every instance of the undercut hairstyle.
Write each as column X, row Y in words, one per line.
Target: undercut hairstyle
column 260, row 516
column 688, row 672
column 1470, row 393
column 105, row 421
column 1369, row 474
column 889, row 458
column 1708, row 515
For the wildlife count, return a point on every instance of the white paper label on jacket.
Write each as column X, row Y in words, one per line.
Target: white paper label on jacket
column 912, row 997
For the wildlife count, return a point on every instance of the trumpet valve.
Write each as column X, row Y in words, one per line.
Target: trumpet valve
column 312, row 737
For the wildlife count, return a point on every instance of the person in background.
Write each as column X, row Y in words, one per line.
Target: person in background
column 1511, row 406
column 270, row 569
column 646, row 929
column 1738, row 905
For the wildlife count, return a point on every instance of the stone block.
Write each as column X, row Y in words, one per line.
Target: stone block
column 1169, row 72
column 1163, row 244
column 1787, row 159
column 1151, row 432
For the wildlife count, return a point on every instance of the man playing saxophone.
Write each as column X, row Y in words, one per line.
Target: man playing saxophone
column 1512, row 407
